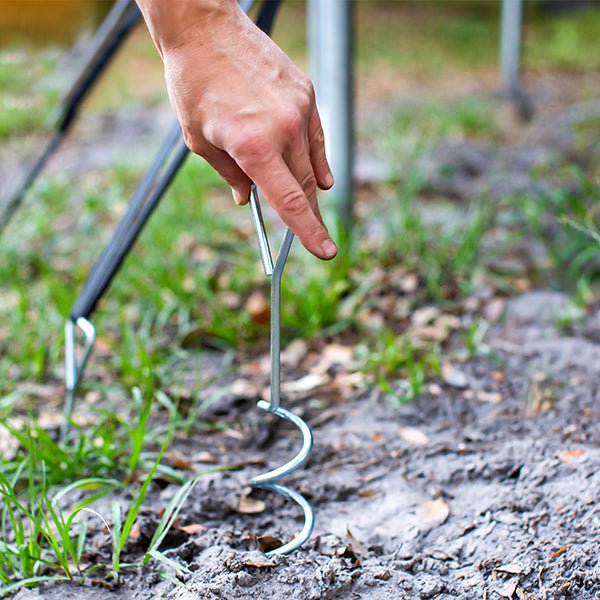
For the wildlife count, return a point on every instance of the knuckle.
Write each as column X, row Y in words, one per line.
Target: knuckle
column 309, row 183
column 319, row 139
column 192, row 141
column 291, row 124
column 293, row 204
column 251, row 145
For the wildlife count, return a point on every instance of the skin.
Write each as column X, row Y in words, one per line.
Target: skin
column 246, row 108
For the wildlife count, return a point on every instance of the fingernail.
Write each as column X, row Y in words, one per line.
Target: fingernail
column 237, row 198
column 329, row 249
column 329, row 180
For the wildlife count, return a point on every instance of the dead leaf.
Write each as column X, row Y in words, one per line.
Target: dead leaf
column 431, row 332
column 371, row 319
column 432, row 513
column 334, row 354
column 192, row 529
column 454, row 377
column 204, row 457
column 409, row 283
column 512, row 569
column 413, row 436
column 560, row 552
column 482, row 396
column 508, row 590
column 257, row 306
column 376, row 437
column 268, row 542
column 494, row 309
column 353, row 549
column 179, row 461
column 571, row 456
column 294, row 352
column 250, row 506
column 230, row 300
column 524, row 595
column 425, row 315
column 243, row 388
column 250, row 563
column 367, row 492
column 134, row 534
column 249, row 462
column 304, row 384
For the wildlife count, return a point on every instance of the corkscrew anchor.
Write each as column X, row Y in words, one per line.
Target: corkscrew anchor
column 270, row 480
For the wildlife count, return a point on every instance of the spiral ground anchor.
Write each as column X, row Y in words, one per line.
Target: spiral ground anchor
column 270, row 480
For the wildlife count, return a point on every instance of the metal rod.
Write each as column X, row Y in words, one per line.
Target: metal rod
column 510, row 47
column 73, row 370
column 330, row 33
column 261, row 235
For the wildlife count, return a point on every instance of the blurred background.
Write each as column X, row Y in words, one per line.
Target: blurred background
column 464, row 197
column 435, row 136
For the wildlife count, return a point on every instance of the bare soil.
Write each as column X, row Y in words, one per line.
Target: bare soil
column 489, row 490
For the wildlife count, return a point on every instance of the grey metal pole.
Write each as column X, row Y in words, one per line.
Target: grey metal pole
column 330, row 32
column 510, row 47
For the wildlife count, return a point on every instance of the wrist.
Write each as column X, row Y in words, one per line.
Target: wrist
column 176, row 23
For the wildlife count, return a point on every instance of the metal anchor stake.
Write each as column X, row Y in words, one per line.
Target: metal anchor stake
column 270, row 480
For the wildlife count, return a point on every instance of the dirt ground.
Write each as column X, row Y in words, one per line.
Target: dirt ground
column 487, row 488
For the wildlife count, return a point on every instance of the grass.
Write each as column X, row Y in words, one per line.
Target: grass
column 185, row 285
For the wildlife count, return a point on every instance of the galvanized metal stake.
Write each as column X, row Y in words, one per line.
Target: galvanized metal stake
column 330, row 44
column 510, row 48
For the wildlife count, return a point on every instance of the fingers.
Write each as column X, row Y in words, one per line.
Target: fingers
column 318, row 158
column 287, row 197
column 230, row 172
column 299, row 163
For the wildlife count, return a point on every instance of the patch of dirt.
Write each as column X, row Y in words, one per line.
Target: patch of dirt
column 487, row 489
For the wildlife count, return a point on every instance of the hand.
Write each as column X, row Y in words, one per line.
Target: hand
column 246, row 108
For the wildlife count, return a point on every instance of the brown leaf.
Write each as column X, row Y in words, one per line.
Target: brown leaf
column 268, row 542
column 454, row 377
column 413, row 436
column 250, row 563
column 250, row 506
column 512, row 569
column 524, row 595
column 424, row 315
column 334, row 354
column 257, row 306
column 294, row 352
column 508, row 590
column 134, row 534
column 560, row 552
column 432, row 513
column 571, row 456
column 431, row 332
column 494, row 309
column 192, row 529
column 353, row 549
column 243, row 388
column 483, row 396
column 179, row 461
column 204, row 457
column 409, row 283
column 367, row 492
column 304, row 384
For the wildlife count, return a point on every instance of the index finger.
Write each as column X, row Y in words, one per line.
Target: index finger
column 286, row 196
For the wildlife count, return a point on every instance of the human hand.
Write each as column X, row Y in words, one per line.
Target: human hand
column 246, row 108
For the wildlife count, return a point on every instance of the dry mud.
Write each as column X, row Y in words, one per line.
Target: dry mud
column 489, row 491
